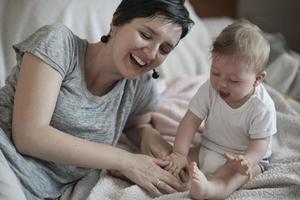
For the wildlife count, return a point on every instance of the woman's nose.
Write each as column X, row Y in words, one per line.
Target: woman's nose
column 151, row 51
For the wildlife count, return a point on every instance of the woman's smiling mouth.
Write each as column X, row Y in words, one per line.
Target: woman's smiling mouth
column 137, row 60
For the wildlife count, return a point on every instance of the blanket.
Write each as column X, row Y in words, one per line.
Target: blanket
column 280, row 181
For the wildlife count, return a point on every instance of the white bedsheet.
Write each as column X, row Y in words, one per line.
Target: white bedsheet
column 280, row 181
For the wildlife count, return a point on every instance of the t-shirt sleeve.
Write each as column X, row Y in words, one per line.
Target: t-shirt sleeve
column 146, row 97
column 263, row 123
column 53, row 44
column 199, row 105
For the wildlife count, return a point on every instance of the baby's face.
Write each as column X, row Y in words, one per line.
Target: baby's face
column 232, row 79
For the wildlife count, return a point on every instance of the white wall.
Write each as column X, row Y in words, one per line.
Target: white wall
column 2, row 61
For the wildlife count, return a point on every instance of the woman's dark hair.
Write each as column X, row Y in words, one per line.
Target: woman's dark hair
column 173, row 10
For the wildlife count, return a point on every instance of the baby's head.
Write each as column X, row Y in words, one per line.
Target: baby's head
column 239, row 57
column 245, row 42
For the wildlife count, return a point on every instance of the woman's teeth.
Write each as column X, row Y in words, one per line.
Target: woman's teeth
column 138, row 60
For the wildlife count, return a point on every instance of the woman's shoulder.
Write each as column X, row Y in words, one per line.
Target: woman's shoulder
column 55, row 44
column 53, row 33
column 56, row 30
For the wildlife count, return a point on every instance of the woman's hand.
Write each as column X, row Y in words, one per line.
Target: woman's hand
column 140, row 131
column 154, row 145
column 148, row 173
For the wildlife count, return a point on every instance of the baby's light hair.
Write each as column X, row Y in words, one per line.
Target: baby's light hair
column 246, row 42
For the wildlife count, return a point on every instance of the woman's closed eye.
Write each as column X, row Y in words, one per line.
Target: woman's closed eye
column 165, row 49
column 234, row 81
column 146, row 36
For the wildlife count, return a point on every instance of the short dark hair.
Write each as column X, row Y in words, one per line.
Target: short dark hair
column 173, row 10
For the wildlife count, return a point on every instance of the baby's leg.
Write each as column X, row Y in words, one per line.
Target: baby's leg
column 223, row 184
column 199, row 183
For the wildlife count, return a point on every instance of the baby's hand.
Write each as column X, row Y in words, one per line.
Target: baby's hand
column 177, row 163
column 240, row 164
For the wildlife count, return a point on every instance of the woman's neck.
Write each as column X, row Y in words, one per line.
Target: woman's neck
column 99, row 72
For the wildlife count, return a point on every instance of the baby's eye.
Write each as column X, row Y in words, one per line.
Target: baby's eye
column 145, row 35
column 234, row 81
column 214, row 73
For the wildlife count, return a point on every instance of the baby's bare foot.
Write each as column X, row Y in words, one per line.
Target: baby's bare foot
column 199, row 183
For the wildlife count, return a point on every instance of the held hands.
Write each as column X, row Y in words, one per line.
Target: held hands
column 240, row 164
column 148, row 173
column 147, row 170
column 177, row 162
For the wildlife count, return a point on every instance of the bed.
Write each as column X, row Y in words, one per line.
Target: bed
column 182, row 73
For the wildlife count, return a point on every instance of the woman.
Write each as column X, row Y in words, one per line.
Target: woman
column 67, row 101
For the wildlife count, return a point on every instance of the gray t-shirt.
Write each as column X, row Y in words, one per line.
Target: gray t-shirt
column 77, row 111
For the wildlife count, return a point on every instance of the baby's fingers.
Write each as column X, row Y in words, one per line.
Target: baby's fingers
column 169, row 166
column 229, row 156
column 173, row 169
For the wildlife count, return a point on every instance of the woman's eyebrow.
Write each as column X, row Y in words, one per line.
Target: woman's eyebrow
column 155, row 33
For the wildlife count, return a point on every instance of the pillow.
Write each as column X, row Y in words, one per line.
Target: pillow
column 90, row 19
column 191, row 57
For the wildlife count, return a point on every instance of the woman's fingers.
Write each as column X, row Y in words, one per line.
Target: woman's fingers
column 173, row 169
column 165, row 188
column 160, row 162
column 151, row 188
column 171, row 180
column 169, row 166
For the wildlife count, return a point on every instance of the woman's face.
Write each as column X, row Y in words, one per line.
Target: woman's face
column 142, row 45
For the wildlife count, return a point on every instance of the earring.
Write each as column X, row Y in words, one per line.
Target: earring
column 105, row 38
column 155, row 74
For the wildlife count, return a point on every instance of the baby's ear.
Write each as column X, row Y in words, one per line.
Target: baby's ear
column 260, row 77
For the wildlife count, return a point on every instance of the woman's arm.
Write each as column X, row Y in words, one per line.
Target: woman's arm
column 36, row 94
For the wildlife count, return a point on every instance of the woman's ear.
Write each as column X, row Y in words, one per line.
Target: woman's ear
column 260, row 77
column 113, row 25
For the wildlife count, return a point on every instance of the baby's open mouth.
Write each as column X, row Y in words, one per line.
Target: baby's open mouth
column 223, row 95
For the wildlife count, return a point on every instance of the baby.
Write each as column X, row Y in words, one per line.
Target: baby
column 239, row 114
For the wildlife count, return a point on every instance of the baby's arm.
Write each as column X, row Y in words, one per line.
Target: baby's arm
column 254, row 153
column 185, row 133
